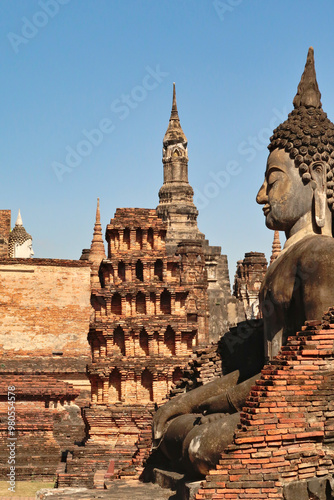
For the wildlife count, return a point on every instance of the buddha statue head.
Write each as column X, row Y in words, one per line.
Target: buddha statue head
column 20, row 242
column 298, row 190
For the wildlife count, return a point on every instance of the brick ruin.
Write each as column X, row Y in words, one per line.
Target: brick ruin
column 45, row 310
column 47, row 422
column 248, row 278
column 286, row 432
column 5, row 217
column 160, row 293
column 150, row 309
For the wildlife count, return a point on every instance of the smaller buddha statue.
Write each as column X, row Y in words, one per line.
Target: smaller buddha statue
column 20, row 242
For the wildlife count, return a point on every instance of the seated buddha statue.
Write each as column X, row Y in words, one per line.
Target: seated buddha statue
column 193, row 428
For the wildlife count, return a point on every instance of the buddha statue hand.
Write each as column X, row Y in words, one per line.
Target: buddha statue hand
column 196, row 400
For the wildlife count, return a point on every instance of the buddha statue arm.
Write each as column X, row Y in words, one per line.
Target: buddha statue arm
column 192, row 402
column 233, row 399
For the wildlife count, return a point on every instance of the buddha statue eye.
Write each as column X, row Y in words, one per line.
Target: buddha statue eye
column 273, row 177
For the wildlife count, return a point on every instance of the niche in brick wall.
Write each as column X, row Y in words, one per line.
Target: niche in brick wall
column 165, row 302
column 126, row 238
column 116, row 304
column 150, row 240
column 140, row 303
column 143, row 342
column 158, row 266
column 169, row 340
column 186, row 340
column 177, row 374
column 147, row 385
column 121, row 270
column 173, row 269
column 115, row 386
column 139, row 270
column 139, row 238
column 119, row 340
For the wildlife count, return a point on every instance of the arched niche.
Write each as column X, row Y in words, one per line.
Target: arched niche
column 116, row 304
column 115, row 386
column 121, row 271
column 139, row 270
column 169, row 340
column 143, row 342
column 150, row 238
column 165, row 302
column 126, row 238
column 140, row 303
column 119, row 340
column 147, row 385
column 158, row 269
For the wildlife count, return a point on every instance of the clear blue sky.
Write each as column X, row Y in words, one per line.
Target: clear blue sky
column 66, row 65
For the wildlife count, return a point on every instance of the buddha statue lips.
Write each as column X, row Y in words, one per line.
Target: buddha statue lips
column 298, row 197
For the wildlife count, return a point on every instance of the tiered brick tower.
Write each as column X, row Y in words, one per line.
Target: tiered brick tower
column 150, row 309
column 177, row 208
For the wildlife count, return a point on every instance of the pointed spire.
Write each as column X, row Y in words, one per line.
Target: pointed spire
column 308, row 93
column 97, row 250
column 276, row 247
column 19, row 220
column 174, row 133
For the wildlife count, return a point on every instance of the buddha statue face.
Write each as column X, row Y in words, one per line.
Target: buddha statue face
column 286, row 198
column 291, row 203
column 24, row 250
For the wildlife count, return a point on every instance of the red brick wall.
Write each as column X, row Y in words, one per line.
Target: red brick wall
column 4, row 223
column 287, row 423
column 4, row 232
column 44, row 307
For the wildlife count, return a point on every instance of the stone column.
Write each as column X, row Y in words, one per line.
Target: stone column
column 94, row 390
column 103, row 348
column 172, row 302
column 128, row 272
column 178, row 345
column 109, row 346
column 99, row 391
column 144, row 239
column 105, row 390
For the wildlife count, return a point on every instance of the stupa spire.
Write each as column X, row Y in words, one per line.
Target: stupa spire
column 308, row 93
column 176, row 204
column 19, row 219
column 276, row 247
column 174, row 133
column 97, row 250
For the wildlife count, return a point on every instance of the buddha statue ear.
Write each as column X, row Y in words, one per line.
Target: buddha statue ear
column 318, row 182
